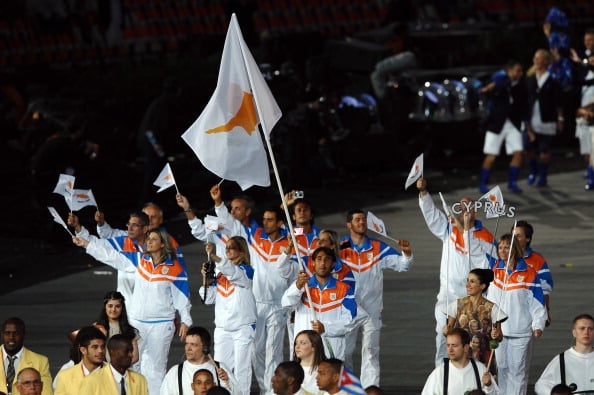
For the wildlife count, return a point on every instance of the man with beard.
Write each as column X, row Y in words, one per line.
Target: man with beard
column 91, row 345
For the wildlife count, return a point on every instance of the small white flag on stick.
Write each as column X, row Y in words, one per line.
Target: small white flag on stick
column 377, row 225
column 59, row 219
column 165, row 179
column 65, row 187
column 211, row 223
column 415, row 173
column 494, row 205
column 82, row 198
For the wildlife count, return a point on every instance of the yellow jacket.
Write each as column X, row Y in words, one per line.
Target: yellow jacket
column 68, row 381
column 29, row 359
column 101, row 382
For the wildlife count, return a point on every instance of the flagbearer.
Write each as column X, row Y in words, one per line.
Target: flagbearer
column 226, row 139
column 466, row 244
column 331, row 308
column 367, row 258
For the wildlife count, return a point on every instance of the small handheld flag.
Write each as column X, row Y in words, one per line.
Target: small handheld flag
column 377, row 225
column 165, row 179
column 350, row 383
column 212, row 223
column 65, row 187
column 494, row 205
column 82, row 198
column 415, row 173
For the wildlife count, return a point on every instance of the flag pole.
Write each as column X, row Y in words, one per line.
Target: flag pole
column 511, row 245
column 275, row 169
column 292, row 234
column 386, row 236
column 447, row 212
column 494, row 236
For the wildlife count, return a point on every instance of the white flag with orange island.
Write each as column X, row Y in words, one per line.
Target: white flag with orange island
column 225, row 137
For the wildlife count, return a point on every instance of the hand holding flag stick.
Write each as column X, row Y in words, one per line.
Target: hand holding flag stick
column 493, row 344
column 225, row 137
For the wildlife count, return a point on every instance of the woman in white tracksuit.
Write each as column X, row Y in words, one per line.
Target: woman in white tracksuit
column 235, row 309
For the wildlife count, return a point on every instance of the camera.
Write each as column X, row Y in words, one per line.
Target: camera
column 298, row 195
column 209, row 269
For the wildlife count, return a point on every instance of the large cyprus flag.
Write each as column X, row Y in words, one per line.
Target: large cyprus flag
column 225, row 136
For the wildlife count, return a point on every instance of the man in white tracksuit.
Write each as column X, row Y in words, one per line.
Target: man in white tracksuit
column 368, row 258
column 466, row 244
column 273, row 274
column 331, row 308
column 578, row 361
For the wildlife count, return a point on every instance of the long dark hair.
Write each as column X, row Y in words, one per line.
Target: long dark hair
column 317, row 344
column 125, row 328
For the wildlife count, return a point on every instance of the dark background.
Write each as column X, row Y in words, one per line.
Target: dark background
column 58, row 59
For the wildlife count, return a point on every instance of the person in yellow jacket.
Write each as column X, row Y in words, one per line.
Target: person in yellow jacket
column 116, row 378
column 91, row 345
column 12, row 349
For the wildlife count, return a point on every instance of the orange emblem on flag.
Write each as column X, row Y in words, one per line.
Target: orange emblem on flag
column 245, row 117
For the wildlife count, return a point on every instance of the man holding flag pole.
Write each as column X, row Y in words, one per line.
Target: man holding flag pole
column 466, row 244
column 226, row 139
